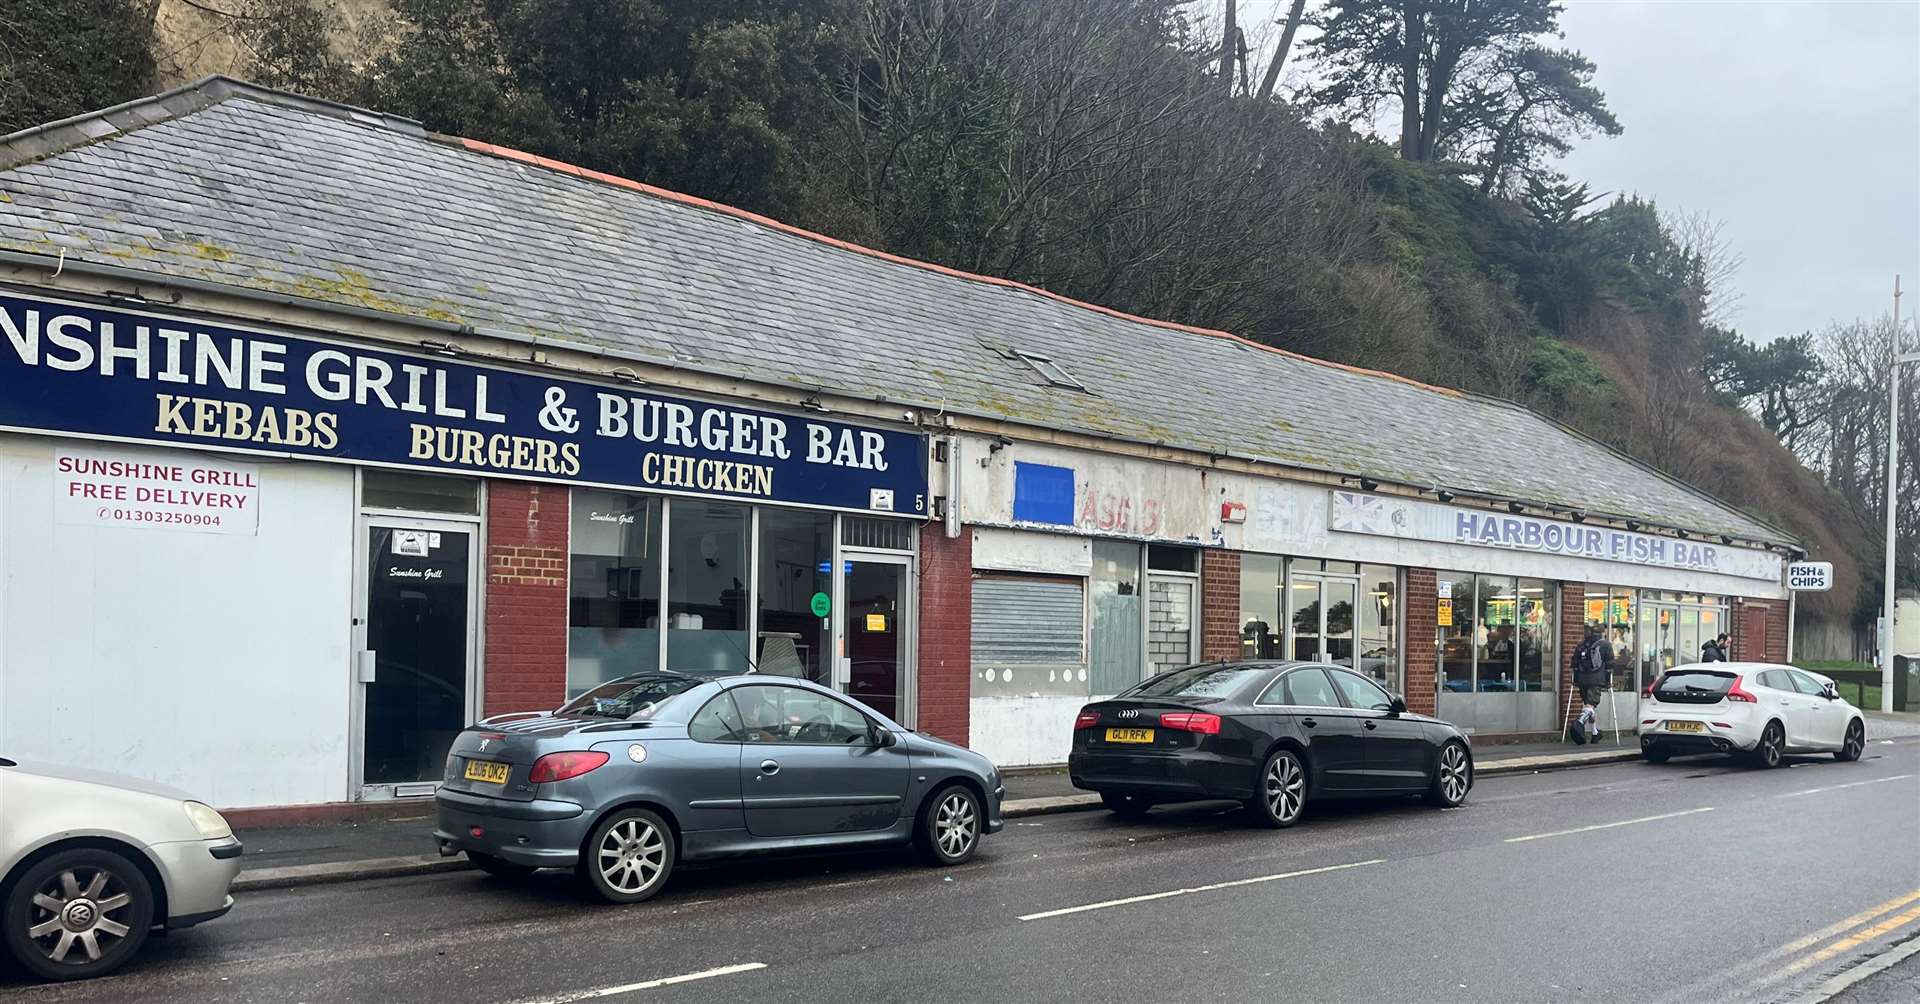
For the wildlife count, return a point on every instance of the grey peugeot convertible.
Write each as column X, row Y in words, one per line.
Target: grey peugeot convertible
column 642, row 772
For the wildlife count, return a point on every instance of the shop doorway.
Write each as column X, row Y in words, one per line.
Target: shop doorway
column 1321, row 615
column 876, row 632
column 413, row 668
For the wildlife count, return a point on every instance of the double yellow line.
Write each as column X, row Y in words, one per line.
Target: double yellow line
column 1852, row 933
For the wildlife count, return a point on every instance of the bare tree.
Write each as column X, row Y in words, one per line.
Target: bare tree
column 1716, row 262
column 1292, row 25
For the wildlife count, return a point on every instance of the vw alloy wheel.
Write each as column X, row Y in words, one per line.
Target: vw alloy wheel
column 79, row 913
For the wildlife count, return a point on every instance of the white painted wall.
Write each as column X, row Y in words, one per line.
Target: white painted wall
column 214, row 662
column 1171, row 502
column 1024, row 731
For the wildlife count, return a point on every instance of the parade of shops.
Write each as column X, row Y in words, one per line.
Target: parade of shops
column 322, row 436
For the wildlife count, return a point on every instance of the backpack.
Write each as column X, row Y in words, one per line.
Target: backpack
column 1584, row 655
column 1595, row 660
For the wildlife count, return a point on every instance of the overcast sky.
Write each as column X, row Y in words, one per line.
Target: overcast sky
column 1796, row 124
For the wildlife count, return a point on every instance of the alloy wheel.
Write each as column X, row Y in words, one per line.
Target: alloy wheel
column 1770, row 746
column 80, row 910
column 1856, row 740
column 1286, row 788
column 955, row 824
column 632, row 856
column 1453, row 773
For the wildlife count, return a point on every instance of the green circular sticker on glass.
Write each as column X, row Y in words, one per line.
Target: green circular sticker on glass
column 822, row 604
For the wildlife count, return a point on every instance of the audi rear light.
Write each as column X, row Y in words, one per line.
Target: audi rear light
column 1737, row 693
column 1192, row 721
column 1086, row 720
column 561, row 766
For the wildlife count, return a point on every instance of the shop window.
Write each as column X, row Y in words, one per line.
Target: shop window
column 385, row 489
column 1454, row 618
column 1029, row 636
column 1378, row 621
column 796, row 564
column 707, row 572
column 1261, row 630
column 882, row 534
column 1116, row 657
column 1537, row 649
column 1165, row 558
column 1620, row 627
column 613, row 613
column 1498, row 636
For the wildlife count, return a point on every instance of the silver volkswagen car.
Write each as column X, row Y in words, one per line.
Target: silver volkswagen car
column 642, row 772
column 91, row 861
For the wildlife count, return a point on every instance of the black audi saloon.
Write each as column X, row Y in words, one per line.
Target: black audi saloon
column 1271, row 735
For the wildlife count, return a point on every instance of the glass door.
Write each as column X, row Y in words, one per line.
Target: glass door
column 416, row 652
column 1322, row 618
column 875, row 632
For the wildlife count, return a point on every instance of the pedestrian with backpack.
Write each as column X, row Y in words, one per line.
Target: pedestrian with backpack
column 1714, row 650
column 1592, row 671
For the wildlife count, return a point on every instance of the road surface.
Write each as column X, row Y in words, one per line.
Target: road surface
column 1696, row 880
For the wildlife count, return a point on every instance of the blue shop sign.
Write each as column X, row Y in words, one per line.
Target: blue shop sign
column 134, row 376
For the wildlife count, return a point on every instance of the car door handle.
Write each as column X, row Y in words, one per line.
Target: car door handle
column 1308, row 722
column 1369, row 726
column 769, row 767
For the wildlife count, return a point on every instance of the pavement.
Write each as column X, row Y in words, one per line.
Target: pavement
column 285, row 856
column 1695, row 880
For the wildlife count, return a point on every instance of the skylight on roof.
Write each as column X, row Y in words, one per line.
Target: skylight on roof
column 1053, row 373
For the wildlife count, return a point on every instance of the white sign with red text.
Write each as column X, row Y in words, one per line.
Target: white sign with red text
column 155, row 491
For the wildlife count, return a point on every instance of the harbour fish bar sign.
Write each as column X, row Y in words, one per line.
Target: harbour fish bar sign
column 68, row 368
column 1353, row 512
column 1810, row 576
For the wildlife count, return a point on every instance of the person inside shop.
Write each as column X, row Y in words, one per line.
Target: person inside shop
column 1592, row 671
column 1715, row 650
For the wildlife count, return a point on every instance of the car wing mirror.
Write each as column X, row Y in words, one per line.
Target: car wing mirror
column 882, row 738
column 1397, row 705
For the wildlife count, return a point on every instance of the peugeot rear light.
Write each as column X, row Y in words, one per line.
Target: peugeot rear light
column 1086, row 720
column 561, row 766
column 1192, row 721
column 1737, row 693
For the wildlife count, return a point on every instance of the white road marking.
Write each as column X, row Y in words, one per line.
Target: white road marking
column 1606, row 826
column 1850, row 784
column 705, row 974
column 1199, row 888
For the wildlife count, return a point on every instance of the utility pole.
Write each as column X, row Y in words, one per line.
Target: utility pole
column 1893, row 477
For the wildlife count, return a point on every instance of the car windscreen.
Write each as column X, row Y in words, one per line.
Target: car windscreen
column 632, row 698
column 1199, row 682
column 1693, row 685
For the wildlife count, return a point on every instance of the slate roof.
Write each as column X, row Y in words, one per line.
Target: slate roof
column 240, row 186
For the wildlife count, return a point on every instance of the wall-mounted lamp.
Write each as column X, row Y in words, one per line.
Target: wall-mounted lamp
column 1368, row 484
column 1515, row 507
column 442, row 348
column 625, row 375
column 1445, row 495
column 1577, row 516
column 999, row 443
column 812, row 403
column 1633, row 524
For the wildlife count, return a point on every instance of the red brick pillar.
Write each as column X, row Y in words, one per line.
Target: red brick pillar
column 1573, row 630
column 1423, row 613
column 946, row 632
column 1219, row 605
column 526, row 617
